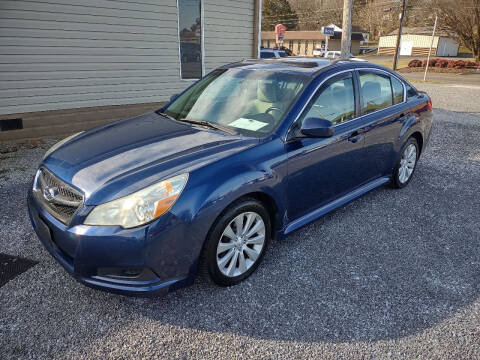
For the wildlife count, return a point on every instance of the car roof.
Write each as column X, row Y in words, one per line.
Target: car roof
column 302, row 65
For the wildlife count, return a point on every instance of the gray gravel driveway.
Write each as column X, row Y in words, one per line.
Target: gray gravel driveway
column 393, row 275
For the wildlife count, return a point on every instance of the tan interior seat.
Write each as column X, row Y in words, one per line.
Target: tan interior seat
column 268, row 96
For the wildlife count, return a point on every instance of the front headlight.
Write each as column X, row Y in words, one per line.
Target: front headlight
column 60, row 143
column 141, row 207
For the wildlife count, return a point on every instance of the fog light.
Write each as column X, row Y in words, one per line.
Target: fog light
column 134, row 273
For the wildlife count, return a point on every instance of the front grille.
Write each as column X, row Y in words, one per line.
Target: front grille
column 58, row 198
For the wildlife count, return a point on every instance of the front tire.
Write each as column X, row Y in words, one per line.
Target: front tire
column 237, row 243
column 406, row 164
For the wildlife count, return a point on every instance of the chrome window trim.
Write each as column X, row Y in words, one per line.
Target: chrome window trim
column 361, row 116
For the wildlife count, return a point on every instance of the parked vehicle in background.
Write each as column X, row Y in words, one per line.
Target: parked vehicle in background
column 251, row 152
column 367, row 50
column 319, row 51
column 272, row 53
column 338, row 55
column 285, row 49
column 333, row 54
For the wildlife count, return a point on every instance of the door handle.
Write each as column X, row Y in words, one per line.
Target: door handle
column 355, row 137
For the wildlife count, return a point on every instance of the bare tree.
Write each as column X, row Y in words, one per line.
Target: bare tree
column 278, row 12
column 313, row 14
column 375, row 19
column 461, row 18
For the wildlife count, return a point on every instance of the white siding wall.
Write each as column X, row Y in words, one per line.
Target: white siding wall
column 64, row 54
column 422, row 41
column 228, row 31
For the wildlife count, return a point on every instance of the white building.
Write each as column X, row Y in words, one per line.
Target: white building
column 416, row 42
column 66, row 65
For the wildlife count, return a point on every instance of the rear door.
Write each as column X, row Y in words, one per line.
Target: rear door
column 322, row 169
column 384, row 110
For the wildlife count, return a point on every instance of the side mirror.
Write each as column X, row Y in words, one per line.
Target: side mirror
column 317, row 128
column 173, row 97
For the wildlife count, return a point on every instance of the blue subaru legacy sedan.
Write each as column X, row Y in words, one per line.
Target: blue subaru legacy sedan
column 251, row 152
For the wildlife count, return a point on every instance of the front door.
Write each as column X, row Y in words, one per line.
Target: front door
column 322, row 169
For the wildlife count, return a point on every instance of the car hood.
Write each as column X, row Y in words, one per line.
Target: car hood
column 115, row 160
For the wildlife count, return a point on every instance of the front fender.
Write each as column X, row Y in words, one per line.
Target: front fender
column 214, row 188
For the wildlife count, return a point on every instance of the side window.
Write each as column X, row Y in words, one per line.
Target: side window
column 411, row 91
column 397, row 88
column 335, row 101
column 376, row 91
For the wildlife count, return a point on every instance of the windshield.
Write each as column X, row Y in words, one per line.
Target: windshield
column 248, row 102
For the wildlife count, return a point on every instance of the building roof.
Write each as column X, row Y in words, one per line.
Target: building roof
column 295, row 35
column 308, row 35
column 355, row 28
column 420, row 31
column 355, row 36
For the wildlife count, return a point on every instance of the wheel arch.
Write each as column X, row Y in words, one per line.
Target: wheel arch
column 263, row 198
column 270, row 205
column 417, row 135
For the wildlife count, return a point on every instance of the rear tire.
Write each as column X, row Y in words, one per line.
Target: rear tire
column 406, row 164
column 237, row 242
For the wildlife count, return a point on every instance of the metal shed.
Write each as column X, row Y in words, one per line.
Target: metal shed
column 416, row 42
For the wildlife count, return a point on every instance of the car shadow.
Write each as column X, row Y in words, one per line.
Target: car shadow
column 388, row 265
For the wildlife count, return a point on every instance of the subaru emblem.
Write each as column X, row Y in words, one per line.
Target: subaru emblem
column 49, row 193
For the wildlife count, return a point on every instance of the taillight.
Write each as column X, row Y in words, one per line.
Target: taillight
column 430, row 106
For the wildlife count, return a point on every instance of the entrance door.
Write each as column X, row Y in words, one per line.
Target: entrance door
column 406, row 48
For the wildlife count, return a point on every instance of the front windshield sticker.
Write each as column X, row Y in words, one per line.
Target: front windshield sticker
column 248, row 124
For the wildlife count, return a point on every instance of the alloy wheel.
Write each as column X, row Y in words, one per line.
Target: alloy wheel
column 407, row 163
column 241, row 244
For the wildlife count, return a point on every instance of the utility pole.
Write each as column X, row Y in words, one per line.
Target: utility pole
column 429, row 51
column 347, row 28
column 399, row 35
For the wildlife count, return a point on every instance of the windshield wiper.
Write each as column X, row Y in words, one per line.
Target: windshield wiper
column 210, row 125
column 166, row 115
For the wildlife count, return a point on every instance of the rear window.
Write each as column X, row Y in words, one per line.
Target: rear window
column 411, row 91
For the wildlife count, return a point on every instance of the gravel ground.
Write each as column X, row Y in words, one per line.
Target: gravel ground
column 393, row 275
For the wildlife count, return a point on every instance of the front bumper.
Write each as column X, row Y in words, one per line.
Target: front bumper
column 144, row 261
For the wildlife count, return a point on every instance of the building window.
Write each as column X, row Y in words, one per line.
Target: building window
column 268, row 44
column 190, row 36
column 306, row 47
column 298, row 47
column 290, row 45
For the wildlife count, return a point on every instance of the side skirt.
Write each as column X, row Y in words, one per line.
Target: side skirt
column 314, row 215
